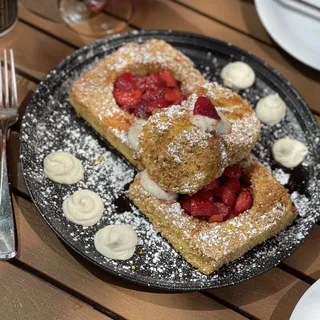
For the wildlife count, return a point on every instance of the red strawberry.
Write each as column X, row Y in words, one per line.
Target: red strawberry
column 226, row 196
column 129, row 98
column 185, row 202
column 203, row 208
column 204, row 107
column 152, row 94
column 170, row 81
column 221, row 212
column 139, row 82
column 202, row 196
column 244, row 202
column 232, row 172
column 214, row 184
column 153, row 80
column 173, row 96
column 233, row 184
column 156, row 104
column 125, row 82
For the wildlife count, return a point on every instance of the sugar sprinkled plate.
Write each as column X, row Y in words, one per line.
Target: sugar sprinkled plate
column 50, row 124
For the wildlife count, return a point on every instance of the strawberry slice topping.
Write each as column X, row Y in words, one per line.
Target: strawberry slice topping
column 232, row 172
column 169, row 79
column 125, row 82
column 128, row 98
column 244, row 202
column 218, row 201
column 233, row 184
column 143, row 94
column 204, row 107
column 203, row 208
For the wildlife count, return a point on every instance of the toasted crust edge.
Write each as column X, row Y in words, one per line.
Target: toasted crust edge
column 188, row 235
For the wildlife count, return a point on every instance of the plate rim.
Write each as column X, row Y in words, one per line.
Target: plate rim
column 263, row 18
column 154, row 33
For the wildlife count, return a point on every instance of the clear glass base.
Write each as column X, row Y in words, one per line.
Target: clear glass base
column 92, row 17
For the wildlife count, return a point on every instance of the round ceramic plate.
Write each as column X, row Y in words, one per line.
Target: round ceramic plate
column 294, row 26
column 50, row 124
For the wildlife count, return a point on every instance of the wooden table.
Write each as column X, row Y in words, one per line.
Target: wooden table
column 48, row 281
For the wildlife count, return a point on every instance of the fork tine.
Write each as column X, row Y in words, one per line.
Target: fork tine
column 6, row 82
column 14, row 94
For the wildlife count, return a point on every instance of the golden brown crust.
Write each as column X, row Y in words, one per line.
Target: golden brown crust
column 208, row 246
column 91, row 95
column 180, row 157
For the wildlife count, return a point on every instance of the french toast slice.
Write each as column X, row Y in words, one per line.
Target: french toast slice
column 91, row 95
column 208, row 246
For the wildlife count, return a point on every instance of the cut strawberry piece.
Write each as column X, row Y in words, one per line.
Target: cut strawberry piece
column 173, row 96
column 129, row 98
column 125, row 82
column 204, row 107
column 212, row 185
column 185, row 202
column 203, row 208
column 216, row 218
column 226, row 196
column 232, row 172
column 244, row 202
column 156, row 104
column 170, row 81
column 139, row 82
column 153, row 80
column 233, row 184
column 203, row 196
column 152, row 94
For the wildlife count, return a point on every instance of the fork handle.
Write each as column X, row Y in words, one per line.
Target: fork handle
column 7, row 224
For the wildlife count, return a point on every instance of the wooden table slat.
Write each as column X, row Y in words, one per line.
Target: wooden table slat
column 23, row 296
column 40, row 249
column 239, row 14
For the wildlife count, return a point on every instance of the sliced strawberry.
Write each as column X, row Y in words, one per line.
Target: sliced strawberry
column 214, row 184
column 173, row 96
column 220, row 213
column 170, row 81
column 204, row 107
column 185, row 202
column 125, row 82
column 203, row 208
column 232, row 172
column 156, row 104
column 233, row 184
column 152, row 94
column 226, row 196
column 216, row 218
column 244, row 202
column 153, row 80
column 203, row 196
column 139, row 82
column 129, row 98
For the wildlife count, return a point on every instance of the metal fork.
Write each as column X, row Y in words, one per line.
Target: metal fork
column 8, row 116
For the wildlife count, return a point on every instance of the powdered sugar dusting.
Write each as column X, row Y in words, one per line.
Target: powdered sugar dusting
column 51, row 124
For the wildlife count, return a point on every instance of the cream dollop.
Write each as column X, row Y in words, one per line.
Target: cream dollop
column 207, row 124
column 63, row 167
column 83, row 207
column 271, row 109
column 134, row 133
column 116, row 241
column 238, row 75
column 150, row 186
column 289, row 152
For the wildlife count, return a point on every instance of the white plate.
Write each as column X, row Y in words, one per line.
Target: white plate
column 295, row 27
column 308, row 305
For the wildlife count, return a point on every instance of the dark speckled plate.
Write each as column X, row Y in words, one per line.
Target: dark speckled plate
column 50, row 124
